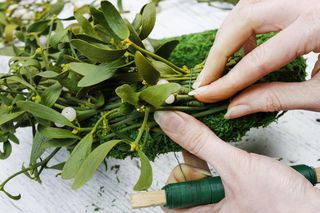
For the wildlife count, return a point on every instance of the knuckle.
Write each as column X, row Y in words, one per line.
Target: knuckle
column 257, row 61
column 196, row 141
column 310, row 21
column 272, row 101
column 247, row 15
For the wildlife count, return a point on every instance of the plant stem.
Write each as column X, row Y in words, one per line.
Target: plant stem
column 59, row 106
column 158, row 57
column 143, row 126
column 123, row 130
column 130, row 118
column 101, row 119
column 112, row 106
column 211, row 111
column 182, row 108
column 180, row 79
column 44, row 162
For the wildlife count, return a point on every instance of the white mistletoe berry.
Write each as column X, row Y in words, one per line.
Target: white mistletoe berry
column 170, row 99
column 70, row 113
column 162, row 81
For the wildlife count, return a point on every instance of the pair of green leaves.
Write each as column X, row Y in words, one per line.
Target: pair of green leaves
column 145, row 20
column 153, row 95
column 81, row 165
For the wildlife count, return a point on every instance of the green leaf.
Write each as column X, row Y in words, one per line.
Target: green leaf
column 39, row 27
column 37, row 150
column 58, row 166
column 134, row 37
column 56, row 9
column 165, row 50
column 127, row 94
column 53, row 143
column 4, row 118
column 163, row 68
column 78, row 155
column 92, row 162
column 44, row 112
column 7, row 150
column 60, row 35
column 51, row 94
column 156, row 95
column 149, row 13
column 114, row 20
column 58, row 133
column 94, row 74
column 48, row 74
column 89, row 39
column 146, row 70
column 21, row 81
column 146, row 176
column 85, row 24
column 137, row 22
column 101, row 53
column 7, row 51
column 103, row 27
column 13, row 138
column 9, row 32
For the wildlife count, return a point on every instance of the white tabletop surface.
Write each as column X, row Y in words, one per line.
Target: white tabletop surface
column 295, row 138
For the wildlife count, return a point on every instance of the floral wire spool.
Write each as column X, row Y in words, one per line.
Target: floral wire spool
column 208, row 190
column 99, row 70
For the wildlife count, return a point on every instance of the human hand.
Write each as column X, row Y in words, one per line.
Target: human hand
column 252, row 183
column 299, row 25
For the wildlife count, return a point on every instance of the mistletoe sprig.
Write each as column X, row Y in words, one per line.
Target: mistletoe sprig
column 91, row 88
column 77, row 70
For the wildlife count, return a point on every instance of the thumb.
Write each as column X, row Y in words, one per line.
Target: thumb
column 276, row 96
column 184, row 172
column 199, row 140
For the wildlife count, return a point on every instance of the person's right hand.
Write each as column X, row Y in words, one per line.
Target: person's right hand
column 299, row 25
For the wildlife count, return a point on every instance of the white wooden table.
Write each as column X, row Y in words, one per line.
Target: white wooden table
column 295, row 138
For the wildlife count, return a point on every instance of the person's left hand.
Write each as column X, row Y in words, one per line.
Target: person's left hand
column 252, row 183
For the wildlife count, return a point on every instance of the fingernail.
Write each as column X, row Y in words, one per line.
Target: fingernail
column 237, row 111
column 198, row 82
column 192, row 93
column 204, row 172
column 168, row 119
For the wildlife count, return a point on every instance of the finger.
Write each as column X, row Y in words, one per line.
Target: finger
column 199, row 140
column 183, row 173
column 270, row 56
column 273, row 97
column 194, row 161
column 242, row 23
column 316, row 67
